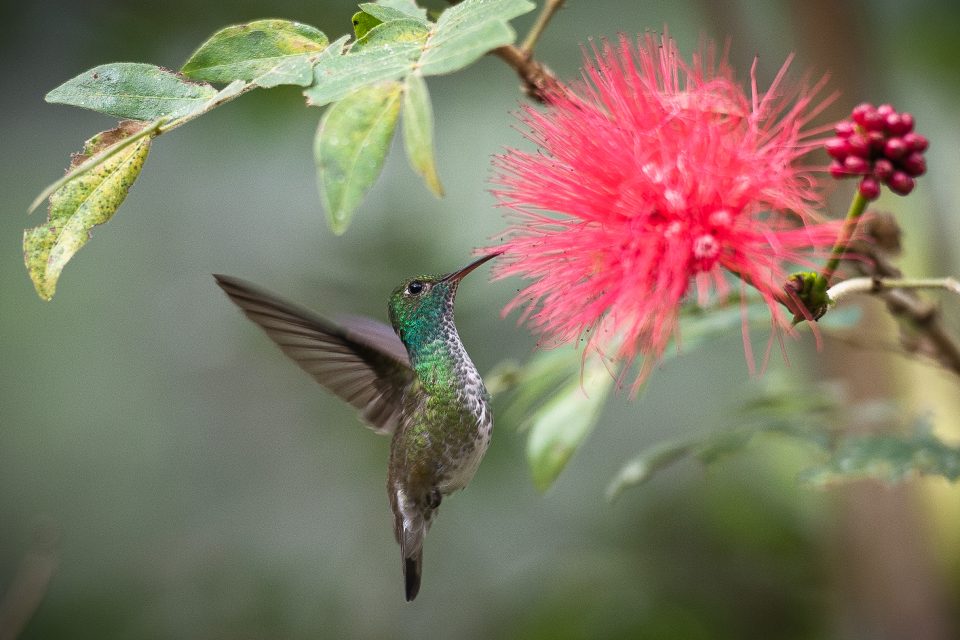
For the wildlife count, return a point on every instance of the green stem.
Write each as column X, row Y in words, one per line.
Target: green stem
column 95, row 160
column 857, row 207
column 152, row 129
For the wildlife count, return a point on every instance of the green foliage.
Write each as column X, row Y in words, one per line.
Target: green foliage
column 418, row 131
column 351, row 143
column 814, row 418
column 368, row 82
column 271, row 49
column 565, row 420
column 646, row 464
column 888, row 457
column 389, row 51
column 363, row 22
column 559, row 395
column 468, row 30
column 134, row 91
column 383, row 9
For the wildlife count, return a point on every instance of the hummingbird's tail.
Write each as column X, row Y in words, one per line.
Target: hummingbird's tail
column 412, row 571
column 411, row 523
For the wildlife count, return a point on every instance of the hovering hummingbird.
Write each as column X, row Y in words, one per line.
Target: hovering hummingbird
column 414, row 382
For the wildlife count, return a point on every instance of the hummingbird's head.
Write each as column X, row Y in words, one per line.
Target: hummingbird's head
column 422, row 305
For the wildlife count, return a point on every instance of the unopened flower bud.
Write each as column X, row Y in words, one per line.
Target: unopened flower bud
column 870, row 188
column 900, row 183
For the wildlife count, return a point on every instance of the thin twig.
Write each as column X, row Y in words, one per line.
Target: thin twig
column 923, row 317
column 550, row 8
column 95, row 160
column 878, row 285
column 539, row 82
column 151, row 129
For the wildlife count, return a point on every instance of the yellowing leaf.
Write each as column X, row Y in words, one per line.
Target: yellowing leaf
column 88, row 200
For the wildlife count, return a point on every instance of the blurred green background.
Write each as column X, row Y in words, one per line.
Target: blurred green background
column 190, row 482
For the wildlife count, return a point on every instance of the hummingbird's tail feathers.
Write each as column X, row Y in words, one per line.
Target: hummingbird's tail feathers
column 412, row 572
column 410, row 528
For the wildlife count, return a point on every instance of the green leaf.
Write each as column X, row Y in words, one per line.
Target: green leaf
column 564, row 422
column 389, row 51
column 363, row 22
column 806, row 415
column 279, row 50
column 398, row 47
column 371, row 15
column 299, row 70
column 82, row 203
column 645, row 465
column 396, row 42
column 386, row 14
column 809, row 415
column 552, row 375
column 536, row 382
column 155, row 128
column 133, row 91
column 407, row 7
column 468, row 30
column 351, row 143
column 708, row 449
column 418, row 131
column 890, row 457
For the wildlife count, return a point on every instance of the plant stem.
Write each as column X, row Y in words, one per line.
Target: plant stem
column 857, row 207
column 151, row 129
column 877, row 285
column 916, row 315
column 550, row 7
column 93, row 161
column 538, row 80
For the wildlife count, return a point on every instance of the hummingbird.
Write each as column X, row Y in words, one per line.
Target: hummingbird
column 413, row 382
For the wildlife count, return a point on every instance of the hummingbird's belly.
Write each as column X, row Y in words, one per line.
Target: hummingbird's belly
column 463, row 458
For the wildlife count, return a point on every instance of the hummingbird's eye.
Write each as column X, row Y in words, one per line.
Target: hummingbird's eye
column 415, row 288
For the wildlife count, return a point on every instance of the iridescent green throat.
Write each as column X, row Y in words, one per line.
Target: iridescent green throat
column 426, row 328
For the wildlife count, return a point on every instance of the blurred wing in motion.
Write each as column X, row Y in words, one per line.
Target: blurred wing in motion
column 364, row 362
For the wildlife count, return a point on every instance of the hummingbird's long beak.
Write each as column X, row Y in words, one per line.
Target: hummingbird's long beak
column 457, row 276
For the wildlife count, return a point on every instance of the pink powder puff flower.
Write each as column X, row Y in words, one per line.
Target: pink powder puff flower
column 655, row 177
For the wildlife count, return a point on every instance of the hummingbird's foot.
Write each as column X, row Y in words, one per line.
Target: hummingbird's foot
column 434, row 498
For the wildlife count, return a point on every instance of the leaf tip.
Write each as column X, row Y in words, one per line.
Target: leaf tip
column 433, row 183
column 34, row 251
column 338, row 220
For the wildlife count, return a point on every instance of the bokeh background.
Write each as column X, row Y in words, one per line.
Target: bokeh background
column 183, row 480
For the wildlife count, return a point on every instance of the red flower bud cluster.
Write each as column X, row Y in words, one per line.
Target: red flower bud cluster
column 878, row 144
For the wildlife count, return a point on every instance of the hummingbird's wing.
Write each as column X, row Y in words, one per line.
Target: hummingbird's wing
column 365, row 364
